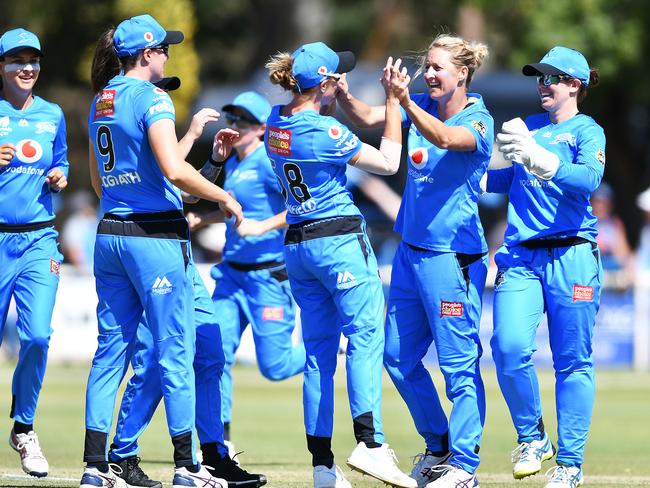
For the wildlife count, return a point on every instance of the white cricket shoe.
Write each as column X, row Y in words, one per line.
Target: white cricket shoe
column 450, row 476
column 528, row 457
column 94, row 478
column 325, row 477
column 422, row 464
column 183, row 478
column 564, row 477
column 380, row 463
column 31, row 455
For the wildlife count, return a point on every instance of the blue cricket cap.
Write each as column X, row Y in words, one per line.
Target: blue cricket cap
column 141, row 32
column 561, row 61
column 14, row 40
column 252, row 104
column 314, row 62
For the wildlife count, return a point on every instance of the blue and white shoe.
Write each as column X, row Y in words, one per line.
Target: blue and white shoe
column 94, row 478
column 450, row 476
column 422, row 464
column 528, row 457
column 564, row 477
column 183, row 478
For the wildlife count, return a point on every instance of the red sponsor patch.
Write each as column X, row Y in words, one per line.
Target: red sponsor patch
column 273, row 313
column 279, row 141
column 451, row 309
column 105, row 105
column 55, row 267
column 585, row 293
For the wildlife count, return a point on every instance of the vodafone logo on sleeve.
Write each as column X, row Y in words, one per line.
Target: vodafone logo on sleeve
column 29, row 151
column 335, row 132
column 419, row 157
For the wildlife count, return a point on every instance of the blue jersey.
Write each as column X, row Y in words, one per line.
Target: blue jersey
column 439, row 209
column 559, row 207
column 254, row 185
column 119, row 118
column 308, row 153
column 38, row 132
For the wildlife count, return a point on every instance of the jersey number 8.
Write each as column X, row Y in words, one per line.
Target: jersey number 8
column 297, row 186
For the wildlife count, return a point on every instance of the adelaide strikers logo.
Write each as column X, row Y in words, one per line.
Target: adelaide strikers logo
column 148, row 36
column 419, row 157
column 29, row 151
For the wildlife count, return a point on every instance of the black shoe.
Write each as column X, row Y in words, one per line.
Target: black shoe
column 133, row 475
column 236, row 477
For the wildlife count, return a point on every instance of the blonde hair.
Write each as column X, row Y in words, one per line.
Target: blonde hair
column 463, row 53
column 280, row 71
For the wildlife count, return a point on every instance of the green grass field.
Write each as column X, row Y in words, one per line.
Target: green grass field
column 268, row 427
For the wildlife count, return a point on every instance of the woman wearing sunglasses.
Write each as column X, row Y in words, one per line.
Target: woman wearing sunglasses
column 331, row 265
column 142, row 255
column 251, row 281
column 549, row 263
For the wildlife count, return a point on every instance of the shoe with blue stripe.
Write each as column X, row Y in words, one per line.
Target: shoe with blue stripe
column 564, row 477
column 527, row 458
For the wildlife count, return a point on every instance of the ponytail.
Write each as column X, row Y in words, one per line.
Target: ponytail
column 594, row 80
column 106, row 64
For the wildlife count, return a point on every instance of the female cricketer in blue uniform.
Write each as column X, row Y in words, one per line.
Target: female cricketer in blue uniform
column 33, row 166
column 144, row 391
column 251, row 281
column 549, row 263
column 440, row 266
column 141, row 251
column 332, row 268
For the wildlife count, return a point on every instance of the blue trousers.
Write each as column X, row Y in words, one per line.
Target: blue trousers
column 565, row 283
column 435, row 297
column 29, row 270
column 335, row 282
column 144, row 391
column 263, row 299
column 136, row 275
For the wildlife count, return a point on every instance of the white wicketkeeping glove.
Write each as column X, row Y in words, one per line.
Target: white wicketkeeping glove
column 516, row 144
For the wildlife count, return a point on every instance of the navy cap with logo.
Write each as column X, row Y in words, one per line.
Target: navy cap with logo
column 561, row 61
column 142, row 32
column 254, row 106
column 17, row 39
column 314, row 62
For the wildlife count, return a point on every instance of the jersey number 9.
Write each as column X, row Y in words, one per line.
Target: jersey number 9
column 105, row 147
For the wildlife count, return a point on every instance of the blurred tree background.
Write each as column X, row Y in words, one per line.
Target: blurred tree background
column 229, row 40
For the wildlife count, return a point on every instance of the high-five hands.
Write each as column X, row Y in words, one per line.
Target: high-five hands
column 395, row 80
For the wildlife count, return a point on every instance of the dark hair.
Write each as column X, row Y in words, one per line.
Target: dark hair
column 106, row 64
column 594, row 79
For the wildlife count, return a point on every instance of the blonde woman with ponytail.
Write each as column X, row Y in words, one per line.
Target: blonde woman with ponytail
column 440, row 266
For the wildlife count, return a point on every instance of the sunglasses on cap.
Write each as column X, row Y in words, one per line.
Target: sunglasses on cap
column 239, row 121
column 548, row 80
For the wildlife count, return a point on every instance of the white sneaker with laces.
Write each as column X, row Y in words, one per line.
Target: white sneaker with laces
column 452, row 477
column 94, row 478
column 528, row 457
column 380, row 463
column 184, row 478
column 31, row 455
column 422, row 464
column 325, row 477
column 564, row 477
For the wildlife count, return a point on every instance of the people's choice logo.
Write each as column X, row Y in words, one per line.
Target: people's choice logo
column 29, row 151
column 419, row 157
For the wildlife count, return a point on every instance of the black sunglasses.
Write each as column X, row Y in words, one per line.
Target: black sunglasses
column 164, row 48
column 548, row 80
column 239, row 121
